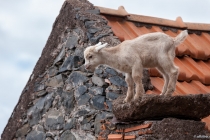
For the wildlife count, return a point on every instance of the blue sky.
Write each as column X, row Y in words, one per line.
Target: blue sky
column 26, row 24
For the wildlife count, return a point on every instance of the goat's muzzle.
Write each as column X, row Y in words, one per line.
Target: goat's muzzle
column 87, row 66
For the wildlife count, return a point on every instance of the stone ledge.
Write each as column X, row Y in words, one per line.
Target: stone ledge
column 193, row 107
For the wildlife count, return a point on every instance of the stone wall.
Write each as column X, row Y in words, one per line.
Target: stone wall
column 61, row 100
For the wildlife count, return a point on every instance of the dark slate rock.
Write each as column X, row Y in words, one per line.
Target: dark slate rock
column 71, row 123
column 98, row 81
column 77, row 16
column 98, row 102
column 72, row 42
column 84, row 18
column 41, row 106
column 109, row 104
column 112, row 95
column 67, row 135
column 89, row 35
column 53, row 71
column 71, row 63
column 96, row 91
column 39, row 87
column 90, row 84
column 86, row 127
column 95, row 39
column 105, row 22
column 23, row 131
column 59, row 91
column 39, row 128
column 41, row 93
column 104, row 75
column 118, row 81
column 193, row 107
column 78, row 31
column 80, row 91
column 50, row 134
column 98, row 71
column 60, row 56
column 77, row 9
column 67, row 99
column 36, row 135
column 77, row 78
column 56, row 81
column 111, row 71
column 63, row 39
column 82, row 112
column 83, row 99
column 79, row 52
column 88, row 118
column 95, row 11
column 93, row 30
column 54, row 120
column 89, row 24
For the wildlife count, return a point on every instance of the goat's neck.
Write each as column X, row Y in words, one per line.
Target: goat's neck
column 110, row 56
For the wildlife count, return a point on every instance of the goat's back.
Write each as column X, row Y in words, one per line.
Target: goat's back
column 149, row 47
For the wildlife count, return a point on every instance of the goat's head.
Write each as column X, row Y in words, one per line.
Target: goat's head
column 93, row 56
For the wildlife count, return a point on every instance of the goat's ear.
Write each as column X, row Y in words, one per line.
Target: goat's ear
column 98, row 48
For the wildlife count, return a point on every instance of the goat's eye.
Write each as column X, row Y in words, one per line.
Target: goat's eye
column 90, row 57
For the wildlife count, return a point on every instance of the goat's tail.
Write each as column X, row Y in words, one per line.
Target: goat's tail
column 180, row 38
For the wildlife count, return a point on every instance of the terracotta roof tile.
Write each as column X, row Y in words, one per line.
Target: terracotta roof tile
column 193, row 55
column 156, row 21
column 198, row 26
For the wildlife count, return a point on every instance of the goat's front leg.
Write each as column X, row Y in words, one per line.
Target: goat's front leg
column 137, row 78
column 130, row 84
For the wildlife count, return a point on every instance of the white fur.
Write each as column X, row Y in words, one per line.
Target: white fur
column 131, row 56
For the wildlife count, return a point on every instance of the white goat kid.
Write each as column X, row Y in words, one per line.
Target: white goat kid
column 131, row 56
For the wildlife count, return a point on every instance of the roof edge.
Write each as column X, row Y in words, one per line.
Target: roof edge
column 178, row 23
column 119, row 12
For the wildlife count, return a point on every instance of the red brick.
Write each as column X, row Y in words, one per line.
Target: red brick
column 101, row 138
column 143, row 132
column 115, row 137
column 130, row 137
column 138, row 127
column 119, row 130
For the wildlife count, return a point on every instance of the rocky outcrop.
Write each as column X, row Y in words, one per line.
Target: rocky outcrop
column 194, row 107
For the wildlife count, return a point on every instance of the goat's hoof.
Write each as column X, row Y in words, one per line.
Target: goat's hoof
column 126, row 100
column 136, row 97
column 168, row 94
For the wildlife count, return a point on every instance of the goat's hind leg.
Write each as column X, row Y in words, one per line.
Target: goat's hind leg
column 130, row 90
column 166, row 80
column 173, row 76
